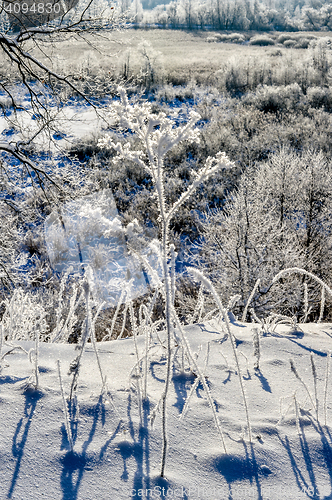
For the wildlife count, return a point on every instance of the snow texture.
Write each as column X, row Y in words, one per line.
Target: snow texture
column 116, row 451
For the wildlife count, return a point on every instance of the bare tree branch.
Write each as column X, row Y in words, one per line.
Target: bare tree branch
column 39, row 78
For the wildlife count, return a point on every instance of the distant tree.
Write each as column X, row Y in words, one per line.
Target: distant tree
column 172, row 13
column 137, row 10
column 311, row 19
column 188, row 6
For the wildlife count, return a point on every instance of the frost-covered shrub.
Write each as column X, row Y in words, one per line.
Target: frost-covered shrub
column 212, row 39
column 9, row 245
column 280, row 215
column 237, row 38
column 302, row 43
column 231, row 38
column 319, row 97
column 262, row 41
column 273, row 99
column 321, row 55
column 151, row 71
column 321, row 43
column 289, row 43
column 24, row 317
column 235, row 79
column 243, row 242
column 297, row 41
column 220, row 37
column 283, row 37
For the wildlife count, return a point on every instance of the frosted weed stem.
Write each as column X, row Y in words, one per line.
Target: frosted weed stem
column 244, row 315
column 67, row 424
column 294, row 370
column 222, row 310
column 322, row 305
column 328, row 357
column 314, row 374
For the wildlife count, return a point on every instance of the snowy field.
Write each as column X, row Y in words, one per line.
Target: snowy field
column 117, row 452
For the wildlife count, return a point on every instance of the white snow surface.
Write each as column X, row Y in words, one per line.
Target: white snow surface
column 117, row 453
column 69, row 124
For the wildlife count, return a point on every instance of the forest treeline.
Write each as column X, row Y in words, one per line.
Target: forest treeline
column 240, row 15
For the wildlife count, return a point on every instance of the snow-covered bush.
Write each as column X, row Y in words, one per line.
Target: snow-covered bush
column 231, row 38
column 276, row 99
column 151, row 71
column 262, row 41
column 320, row 97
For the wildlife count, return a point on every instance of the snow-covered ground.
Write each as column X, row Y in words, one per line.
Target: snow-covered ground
column 69, row 124
column 117, row 453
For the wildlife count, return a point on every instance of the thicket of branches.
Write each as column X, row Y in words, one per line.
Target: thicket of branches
column 279, row 217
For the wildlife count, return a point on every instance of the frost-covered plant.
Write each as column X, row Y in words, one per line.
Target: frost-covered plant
column 314, row 374
column 33, row 381
column 158, row 135
column 297, row 270
column 75, row 365
column 326, row 383
column 23, row 316
column 306, row 309
column 297, row 375
column 88, row 332
column 152, row 67
column 65, row 409
column 257, row 347
column 322, row 305
column 195, row 384
column 270, row 323
column 244, row 315
column 197, row 314
column 207, row 283
column 261, row 40
column 65, row 317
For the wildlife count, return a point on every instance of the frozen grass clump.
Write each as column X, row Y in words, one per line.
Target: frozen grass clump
column 289, row 44
column 230, row 38
column 23, row 317
column 212, row 39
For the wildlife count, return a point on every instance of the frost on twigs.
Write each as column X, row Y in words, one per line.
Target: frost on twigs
column 159, row 135
column 257, row 349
